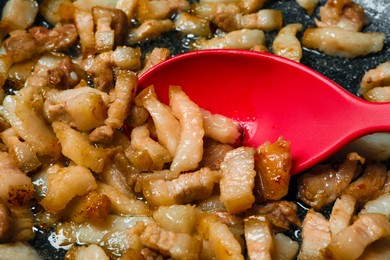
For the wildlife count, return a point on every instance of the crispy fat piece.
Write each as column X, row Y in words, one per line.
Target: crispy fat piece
column 190, row 149
column 285, row 247
column 376, row 77
column 345, row 14
column 315, row 236
column 155, row 57
column 20, row 151
column 141, row 141
column 167, row 125
column 351, row 242
column 150, row 29
column 86, row 252
column 76, row 147
column 240, row 39
column 31, row 127
column 308, row 5
column 238, row 179
column 187, row 188
column 342, row 213
column 286, row 44
column 220, row 128
column 176, row 245
column 74, row 180
column 264, row 19
column 120, row 204
column 92, row 207
column 161, row 9
column 16, row 188
column 259, row 237
column 273, row 166
column 343, row 43
column 221, row 239
column 192, row 24
column 85, row 27
column 368, row 185
column 176, row 218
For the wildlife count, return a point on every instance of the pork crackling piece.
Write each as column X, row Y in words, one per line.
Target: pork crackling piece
column 167, row 125
column 240, row 39
column 190, row 148
column 160, row 9
column 57, row 199
column 220, row 128
column 222, row 240
column 273, row 166
column 168, row 243
column 286, row 44
column 369, row 184
column 308, row 5
column 188, row 187
column 344, row 43
column 323, row 185
column 238, row 179
column 150, row 29
column 264, row 19
column 259, row 237
column 315, row 236
column 141, row 141
column 125, row 87
column 351, row 241
column 76, row 146
column 376, row 77
column 17, row 14
column 345, row 14
column 16, row 187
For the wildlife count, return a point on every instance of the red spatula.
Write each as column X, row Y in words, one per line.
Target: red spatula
column 271, row 97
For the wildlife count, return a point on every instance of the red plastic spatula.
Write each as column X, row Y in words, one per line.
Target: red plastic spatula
column 271, row 97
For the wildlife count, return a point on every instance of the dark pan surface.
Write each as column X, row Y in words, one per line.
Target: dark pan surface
column 345, row 72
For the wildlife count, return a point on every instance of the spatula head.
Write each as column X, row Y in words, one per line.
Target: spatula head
column 269, row 95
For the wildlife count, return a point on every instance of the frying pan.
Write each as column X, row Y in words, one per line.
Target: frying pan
column 346, row 72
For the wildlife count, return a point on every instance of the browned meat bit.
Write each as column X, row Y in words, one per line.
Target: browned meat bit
column 59, row 38
column 93, row 207
column 213, row 154
column 119, row 24
column 386, row 187
column 323, row 185
column 281, row 214
column 273, row 166
column 66, row 75
column 22, row 46
column 5, row 220
column 369, row 184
